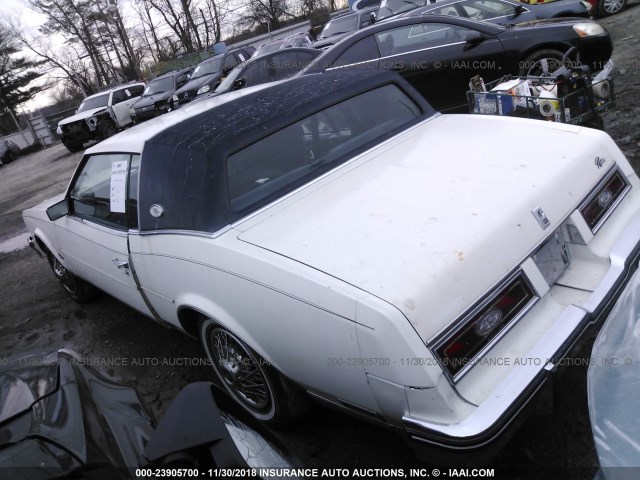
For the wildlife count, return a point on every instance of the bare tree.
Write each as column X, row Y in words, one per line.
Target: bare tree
column 265, row 12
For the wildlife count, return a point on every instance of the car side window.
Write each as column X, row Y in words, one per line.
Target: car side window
column 258, row 72
column 446, row 10
column 181, row 80
column 284, row 65
column 304, row 59
column 99, row 192
column 135, row 91
column 417, row 37
column 118, row 97
column 229, row 62
column 487, row 9
column 307, row 148
column 361, row 51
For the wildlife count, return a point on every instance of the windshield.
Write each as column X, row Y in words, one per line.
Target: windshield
column 207, row 68
column 94, row 102
column 389, row 8
column 159, row 85
column 268, row 48
column 340, row 25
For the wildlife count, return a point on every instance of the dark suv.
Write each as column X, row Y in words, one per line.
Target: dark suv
column 157, row 98
column 209, row 73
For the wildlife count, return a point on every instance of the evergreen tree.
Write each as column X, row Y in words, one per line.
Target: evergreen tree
column 16, row 73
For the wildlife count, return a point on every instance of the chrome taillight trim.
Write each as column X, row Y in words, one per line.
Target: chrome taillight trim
column 466, row 318
column 596, row 190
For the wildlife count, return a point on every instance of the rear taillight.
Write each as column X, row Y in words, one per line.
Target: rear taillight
column 484, row 325
column 599, row 205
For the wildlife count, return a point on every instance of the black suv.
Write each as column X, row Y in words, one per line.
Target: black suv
column 209, row 73
column 157, row 97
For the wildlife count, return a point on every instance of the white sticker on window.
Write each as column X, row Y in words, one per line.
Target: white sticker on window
column 118, row 186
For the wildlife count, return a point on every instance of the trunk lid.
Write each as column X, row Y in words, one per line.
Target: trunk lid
column 435, row 217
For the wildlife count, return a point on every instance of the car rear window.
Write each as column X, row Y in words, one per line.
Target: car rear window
column 284, row 160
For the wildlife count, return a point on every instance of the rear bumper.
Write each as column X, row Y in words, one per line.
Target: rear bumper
column 511, row 396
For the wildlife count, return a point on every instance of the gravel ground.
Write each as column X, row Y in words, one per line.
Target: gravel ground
column 36, row 315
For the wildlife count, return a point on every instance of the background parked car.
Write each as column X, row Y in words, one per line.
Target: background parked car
column 270, row 67
column 604, row 8
column 266, row 47
column 157, row 98
column 339, row 27
column 100, row 116
column 207, row 75
column 506, row 12
column 438, row 54
column 300, row 39
column 8, row 151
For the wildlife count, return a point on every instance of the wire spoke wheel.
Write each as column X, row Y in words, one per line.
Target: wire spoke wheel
column 242, row 374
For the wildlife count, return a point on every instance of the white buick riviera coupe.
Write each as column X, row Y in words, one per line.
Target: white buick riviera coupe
column 333, row 236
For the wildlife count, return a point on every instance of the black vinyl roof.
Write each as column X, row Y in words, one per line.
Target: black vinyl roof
column 182, row 167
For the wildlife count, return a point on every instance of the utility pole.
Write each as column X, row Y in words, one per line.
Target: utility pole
column 15, row 120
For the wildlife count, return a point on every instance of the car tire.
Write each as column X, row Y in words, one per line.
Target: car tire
column 73, row 147
column 76, row 288
column 610, row 7
column 9, row 158
column 541, row 63
column 271, row 398
column 107, row 129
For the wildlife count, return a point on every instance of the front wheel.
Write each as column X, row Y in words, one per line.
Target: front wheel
column 72, row 147
column 76, row 288
column 541, row 63
column 107, row 129
column 250, row 380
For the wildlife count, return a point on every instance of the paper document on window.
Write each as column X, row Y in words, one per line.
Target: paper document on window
column 118, row 186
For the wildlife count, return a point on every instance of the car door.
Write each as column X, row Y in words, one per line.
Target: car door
column 121, row 101
column 93, row 236
column 439, row 59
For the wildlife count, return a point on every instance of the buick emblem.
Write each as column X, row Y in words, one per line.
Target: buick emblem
column 600, row 162
column 541, row 217
column 186, row 94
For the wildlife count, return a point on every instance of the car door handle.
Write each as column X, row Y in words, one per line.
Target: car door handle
column 121, row 264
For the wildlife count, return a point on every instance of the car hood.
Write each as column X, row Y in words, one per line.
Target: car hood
column 196, row 83
column 81, row 115
column 151, row 99
column 432, row 219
